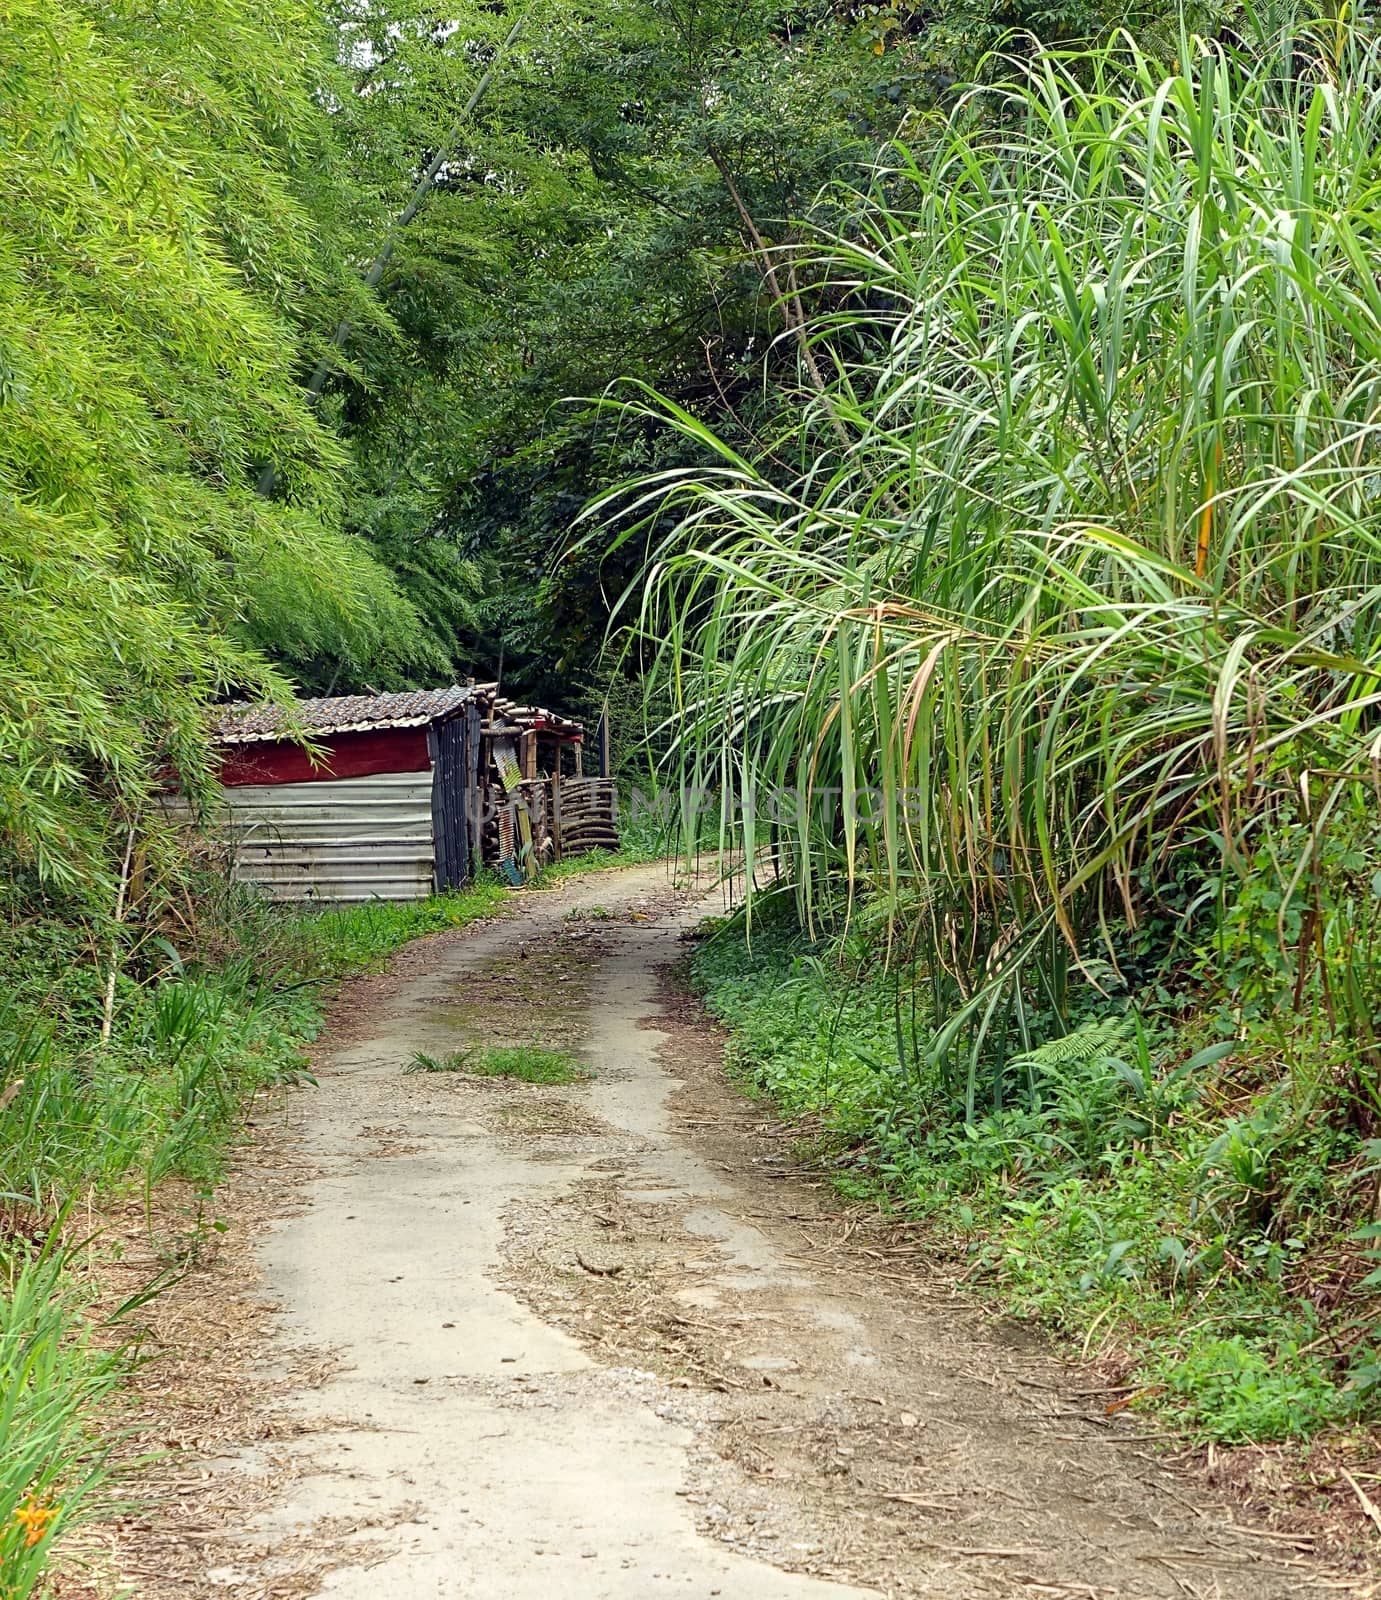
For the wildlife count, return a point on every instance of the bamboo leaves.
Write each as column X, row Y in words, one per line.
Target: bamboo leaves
column 152, row 246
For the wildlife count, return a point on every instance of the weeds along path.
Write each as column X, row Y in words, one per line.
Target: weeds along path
column 596, row 1340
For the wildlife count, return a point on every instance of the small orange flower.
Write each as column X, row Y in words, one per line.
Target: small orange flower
column 34, row 1518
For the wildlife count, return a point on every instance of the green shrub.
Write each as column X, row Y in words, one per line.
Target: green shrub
column 1238, row 1390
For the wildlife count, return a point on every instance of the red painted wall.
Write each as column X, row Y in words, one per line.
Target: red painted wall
column 345, row 755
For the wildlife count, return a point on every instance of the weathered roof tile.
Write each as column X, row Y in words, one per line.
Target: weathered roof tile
column 243, row 723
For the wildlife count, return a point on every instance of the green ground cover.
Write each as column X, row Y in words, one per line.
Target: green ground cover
column 1188, row 1205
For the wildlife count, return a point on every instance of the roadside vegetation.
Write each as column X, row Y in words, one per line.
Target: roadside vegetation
column 215, row 997
column 1035, row 656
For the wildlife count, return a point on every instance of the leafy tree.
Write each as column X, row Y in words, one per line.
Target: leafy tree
column 613, row 210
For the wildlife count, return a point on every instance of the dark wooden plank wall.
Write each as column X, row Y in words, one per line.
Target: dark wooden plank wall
column 455, row 756
column 475, row 776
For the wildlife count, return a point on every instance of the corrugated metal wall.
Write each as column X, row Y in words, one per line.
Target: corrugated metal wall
column 345, row 839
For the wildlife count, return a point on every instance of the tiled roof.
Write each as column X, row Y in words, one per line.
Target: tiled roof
column 243, row 723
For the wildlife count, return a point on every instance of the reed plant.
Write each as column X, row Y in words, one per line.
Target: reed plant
column 1066, row 584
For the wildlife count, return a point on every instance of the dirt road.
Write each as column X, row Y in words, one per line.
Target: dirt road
column 601, row 1342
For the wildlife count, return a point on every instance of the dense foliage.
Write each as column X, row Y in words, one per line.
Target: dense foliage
column 1069, row 617
column 604, row 214
column 155, row 244
column 1047, row 634
column 193, row 197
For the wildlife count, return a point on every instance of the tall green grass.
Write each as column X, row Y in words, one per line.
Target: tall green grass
column 54, row 1465
column 1068, row 588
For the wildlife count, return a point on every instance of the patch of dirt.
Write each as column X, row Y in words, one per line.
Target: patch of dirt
column 605, row 1269
column 354, row 1008
column 505, row 1106
column 534, row 994
column 528, row 1117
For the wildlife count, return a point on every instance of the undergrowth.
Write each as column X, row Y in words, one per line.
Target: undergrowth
column 207, row 1010
column 1183, row 1193
column 53, row 1378
column 421, row 1061
column 529, row 1063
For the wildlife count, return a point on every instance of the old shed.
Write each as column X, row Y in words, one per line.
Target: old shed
column 392, row 796
column 382, row 802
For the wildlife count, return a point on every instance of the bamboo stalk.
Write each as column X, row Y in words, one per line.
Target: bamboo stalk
column 108, row 1003
column 269, row 477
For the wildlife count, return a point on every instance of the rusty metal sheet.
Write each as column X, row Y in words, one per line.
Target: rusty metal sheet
column 505, row 756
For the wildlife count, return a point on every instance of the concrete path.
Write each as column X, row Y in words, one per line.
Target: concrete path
column 600, row 1341
column 500, row 1461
